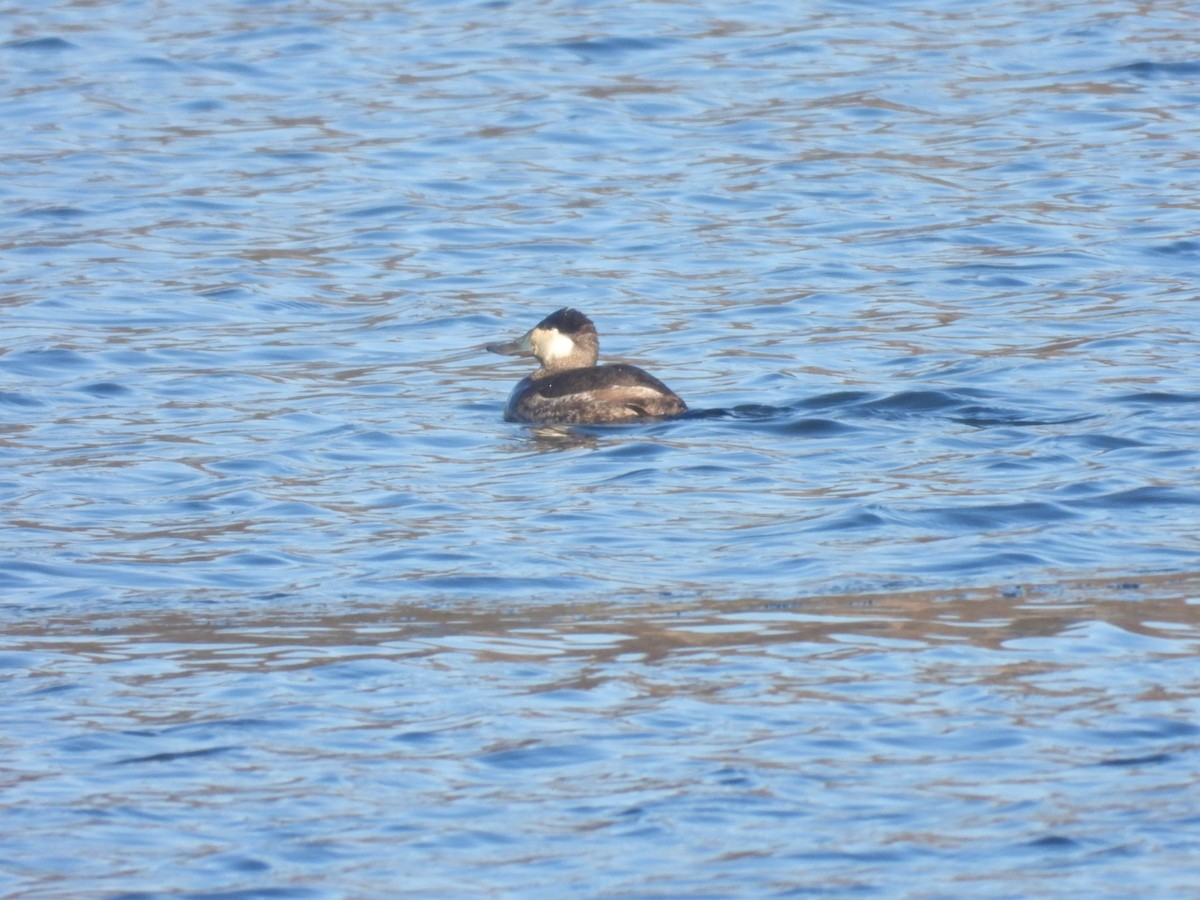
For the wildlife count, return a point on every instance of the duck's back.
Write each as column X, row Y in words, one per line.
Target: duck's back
column 592, row 395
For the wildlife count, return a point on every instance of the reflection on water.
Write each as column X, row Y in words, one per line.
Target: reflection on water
column 288, row 608
column 739, row 747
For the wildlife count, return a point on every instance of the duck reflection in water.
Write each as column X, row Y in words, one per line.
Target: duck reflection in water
column 570, row 389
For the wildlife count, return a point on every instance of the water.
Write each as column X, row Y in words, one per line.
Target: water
column 907, row 606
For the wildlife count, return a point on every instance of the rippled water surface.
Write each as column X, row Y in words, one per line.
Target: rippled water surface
column 907, row 605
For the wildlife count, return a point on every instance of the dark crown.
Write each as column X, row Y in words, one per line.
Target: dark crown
column 568, row 321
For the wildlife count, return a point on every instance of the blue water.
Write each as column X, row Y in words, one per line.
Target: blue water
column 906, row 606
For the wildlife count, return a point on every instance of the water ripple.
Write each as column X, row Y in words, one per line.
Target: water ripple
column 281, row 588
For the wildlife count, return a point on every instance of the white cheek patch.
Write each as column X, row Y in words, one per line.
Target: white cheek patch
column 553, row 345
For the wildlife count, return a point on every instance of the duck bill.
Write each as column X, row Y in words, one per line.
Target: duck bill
column 522, row 346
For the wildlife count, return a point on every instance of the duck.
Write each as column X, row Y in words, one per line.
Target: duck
column 569, row 388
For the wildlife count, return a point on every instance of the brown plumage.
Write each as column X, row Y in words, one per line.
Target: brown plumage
column 569, row 388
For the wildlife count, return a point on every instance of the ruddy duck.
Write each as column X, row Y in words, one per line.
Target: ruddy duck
column 570, row 388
